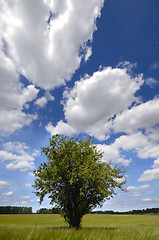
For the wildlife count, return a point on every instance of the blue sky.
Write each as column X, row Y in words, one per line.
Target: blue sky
column 80, row 68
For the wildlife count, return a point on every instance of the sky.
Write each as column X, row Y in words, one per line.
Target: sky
column 80, row 68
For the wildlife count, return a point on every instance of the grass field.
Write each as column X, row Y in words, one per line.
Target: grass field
column 42, row 227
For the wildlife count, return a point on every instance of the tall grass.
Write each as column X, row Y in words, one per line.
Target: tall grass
column 101, row 227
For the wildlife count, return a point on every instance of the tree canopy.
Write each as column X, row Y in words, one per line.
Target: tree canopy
column 75, row 177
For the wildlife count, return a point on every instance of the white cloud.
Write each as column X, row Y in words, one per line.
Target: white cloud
column 13, row 94
column 137, row 188
column 120, row 180
column 41, row 102
column 8, row 193
column 151, row 82
column 11, row 121
column 112, row 154
column 149, row 175
column 22, row 166
column 4, row 184
column 88, row 53
column 44, row 50
column 13, row 97
column 18, row 156
column 145, row 115
column 156, row 163
column 61, row 128
column 153, row 134
column 46, row 43
column 133, row 141
column 18, row 147
column 95, row 99
column 143, row 145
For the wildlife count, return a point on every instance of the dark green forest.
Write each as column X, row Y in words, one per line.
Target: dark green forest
column 15, row 210
column 28, row 210
column 143, row 211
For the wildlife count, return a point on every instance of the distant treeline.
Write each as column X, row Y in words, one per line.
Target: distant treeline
column 143, row 211
column 48, row 211
column 15, row 210
column 28, row 210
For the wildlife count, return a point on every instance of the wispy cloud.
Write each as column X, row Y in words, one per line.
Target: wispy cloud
column 4, row 184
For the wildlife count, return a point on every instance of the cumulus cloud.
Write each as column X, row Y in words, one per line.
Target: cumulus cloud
column 46, row 43
column 4, row 184
column 153, row 134
column 46, row 40
column 13, row 97
column 133, row 141
column 17, row 156
column 22, row 165
column 112, row 154
column 95, row 99
column 41, row 102
column 145, row 115
column 11, row 121
column 18, row 147
column 143, row 145
column 156, row 163
column 61, row 128
column 149, row 175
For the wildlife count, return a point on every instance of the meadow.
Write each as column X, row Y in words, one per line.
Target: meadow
column 94, row 226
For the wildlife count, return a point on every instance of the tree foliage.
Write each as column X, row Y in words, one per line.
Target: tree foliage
column 75, row 177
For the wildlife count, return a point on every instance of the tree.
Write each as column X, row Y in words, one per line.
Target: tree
column 75, row 177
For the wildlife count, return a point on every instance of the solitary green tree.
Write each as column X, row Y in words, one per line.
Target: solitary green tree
column 75, row 177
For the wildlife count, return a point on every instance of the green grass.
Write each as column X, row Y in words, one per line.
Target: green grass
column 116, row 227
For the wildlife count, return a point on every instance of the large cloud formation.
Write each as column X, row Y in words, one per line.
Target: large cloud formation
column 95, row 99
column 106, row 103
column 45, row 41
